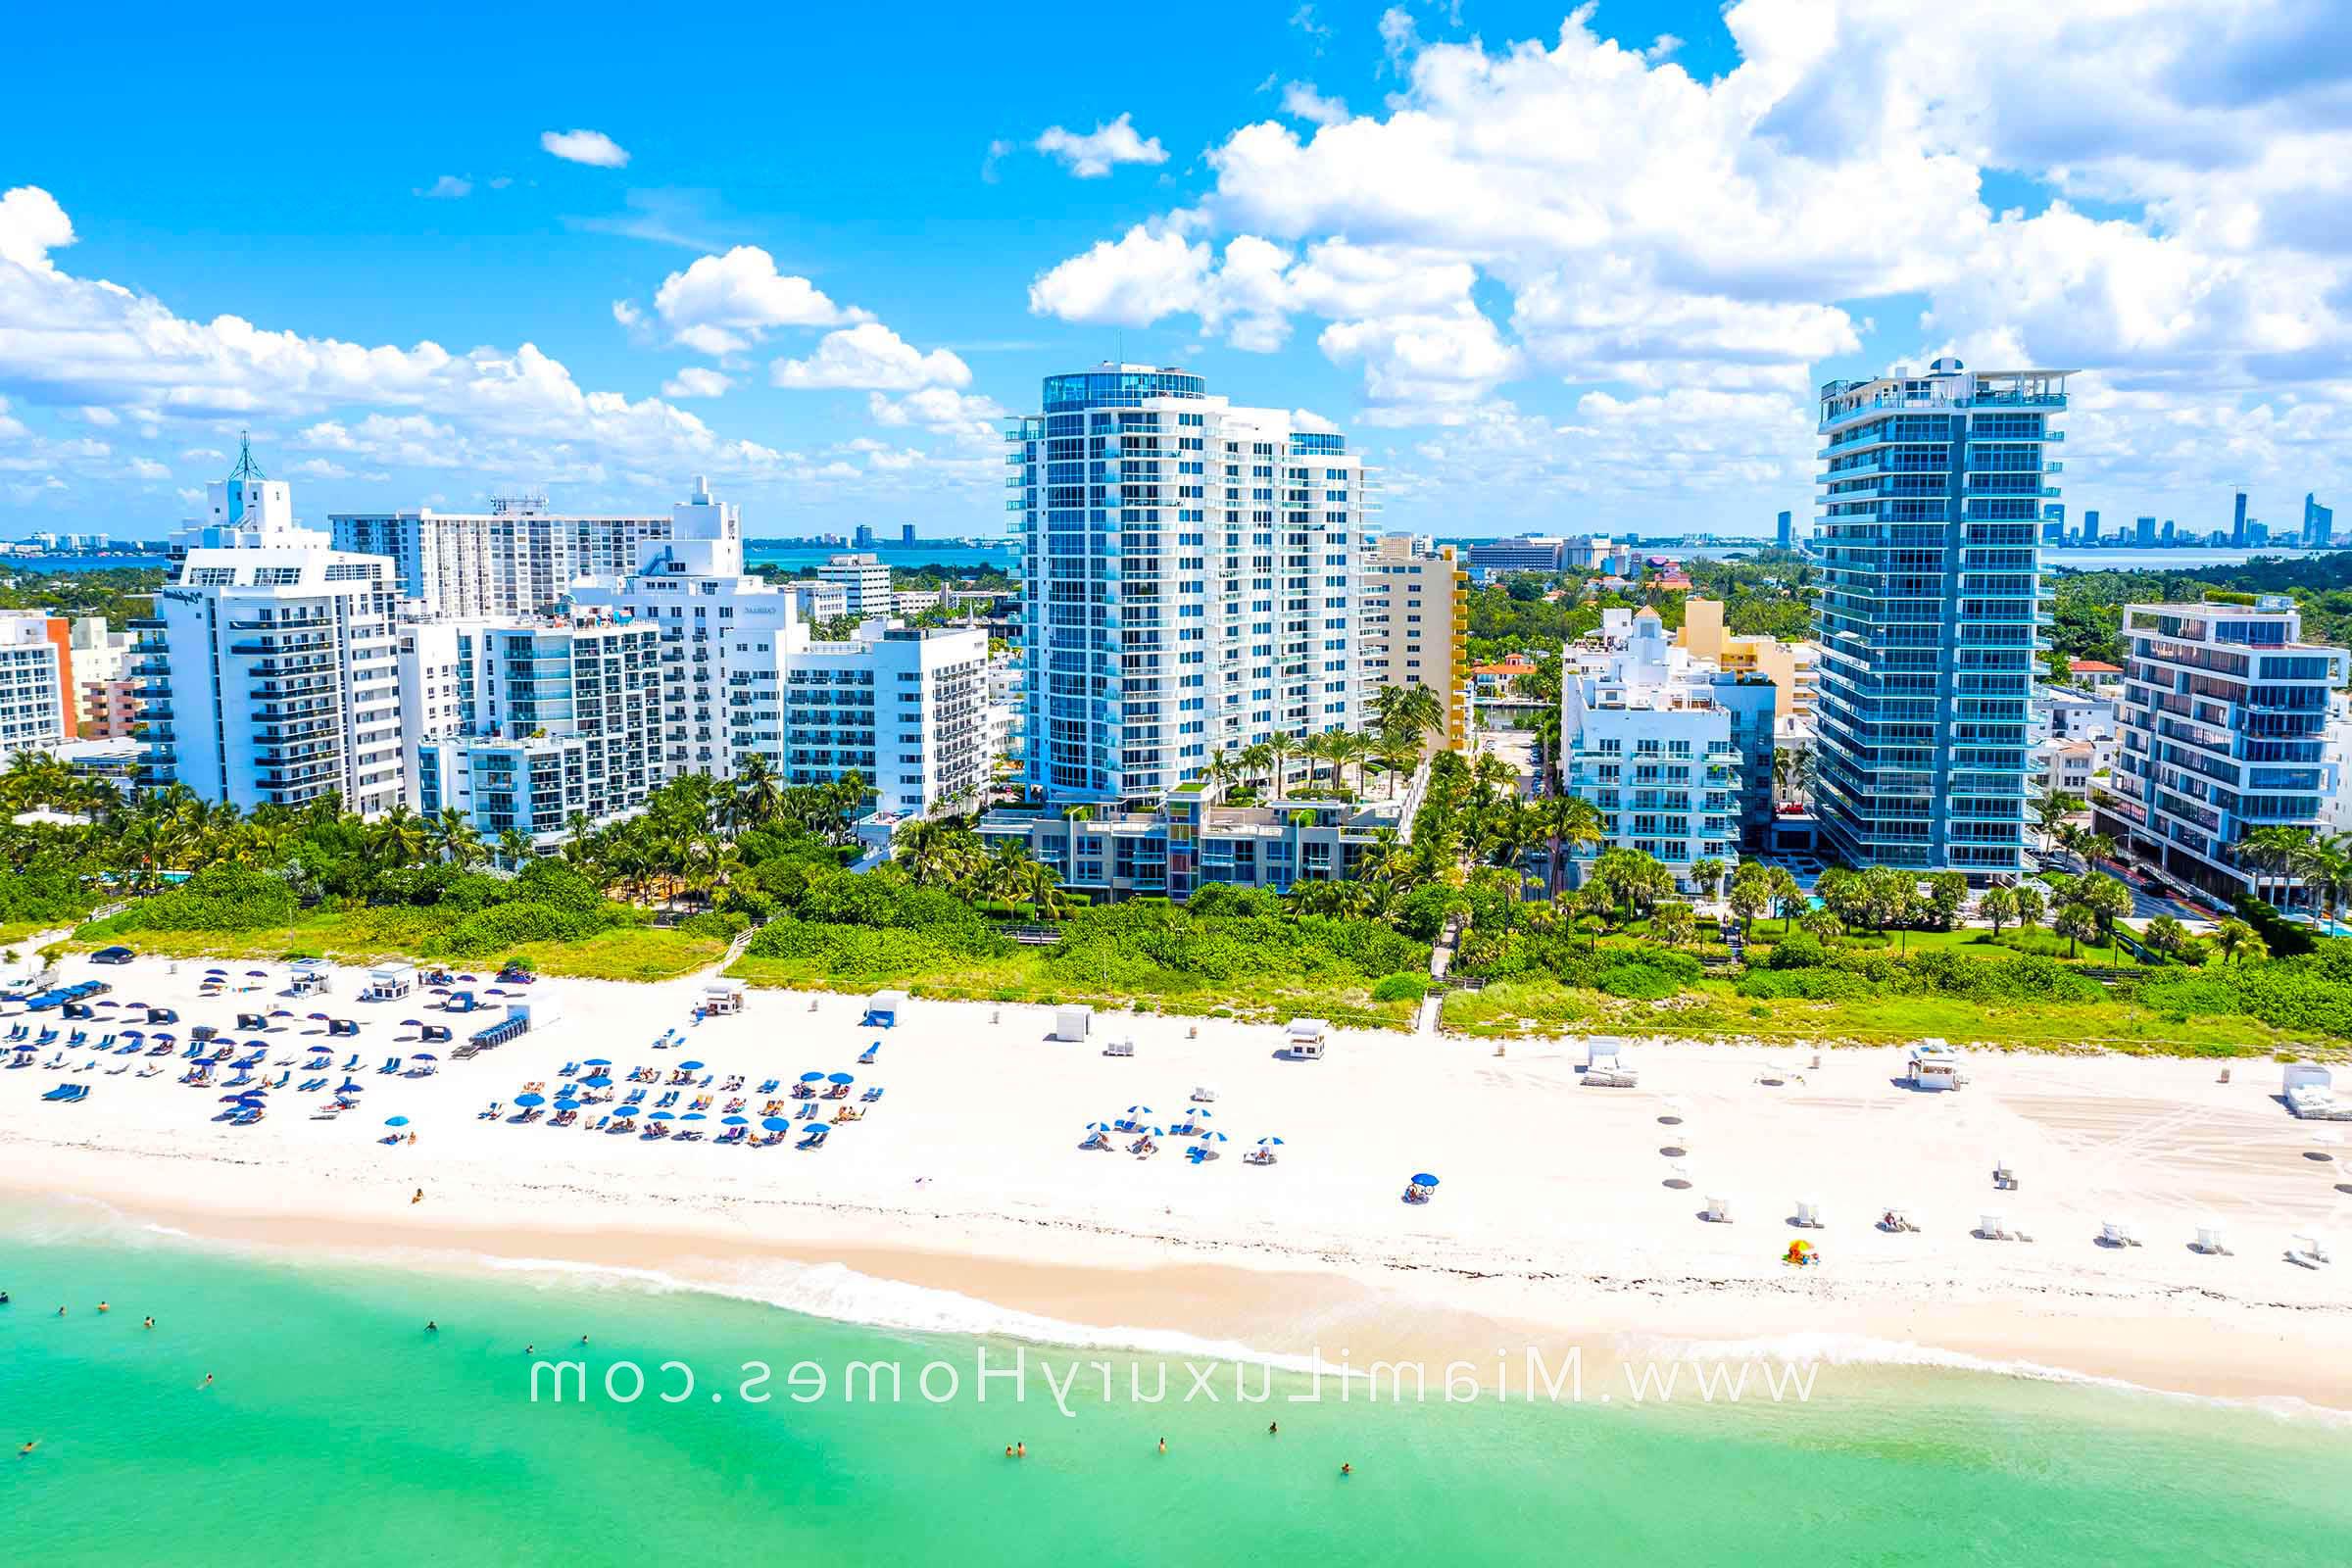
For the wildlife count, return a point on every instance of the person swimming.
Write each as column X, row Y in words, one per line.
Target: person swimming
column 29, row 1447
column 431, row 1327
column 60, row 1312
column 103, row 1308
column 1273, row 1427
column 1346, row 1469
column 1009, row 1451
column 528, row 1349
column 150, row 1323
column 207, row 1383
column 1163, row 1444
column 1020, row 1450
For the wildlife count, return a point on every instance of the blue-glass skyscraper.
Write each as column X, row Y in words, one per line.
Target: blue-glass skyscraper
column 1933, row 492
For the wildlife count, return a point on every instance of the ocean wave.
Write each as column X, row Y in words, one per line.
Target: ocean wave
column 839, row 1294
column 1831, row 1348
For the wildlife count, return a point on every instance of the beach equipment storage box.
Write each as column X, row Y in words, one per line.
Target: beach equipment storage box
column 1935, row 1065
column 1308, row 1038
column 883, row 1008
column 1074, row 1023
column 723, row 997
column 388, row 982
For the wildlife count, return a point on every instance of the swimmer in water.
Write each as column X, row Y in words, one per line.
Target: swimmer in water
column 1346, row 1469
column 1009, row 1451
column 1163, row 1444
column 431, row 1327
column 1020, row 1450
column 528, row 1349
column 207, row 1383
column 150, row 1323
column 29, row 1447
column 60, row 1312
column 103, row 1308
column 1273, row 1427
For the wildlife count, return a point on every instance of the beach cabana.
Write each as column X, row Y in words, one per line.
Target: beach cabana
column 1073, row 1024
column 1309, row 1038
column 722, row 997
column 1935, row 1065
column 311, row 977
column 1607, row 1065
column 388, row 982
column 883, row 1009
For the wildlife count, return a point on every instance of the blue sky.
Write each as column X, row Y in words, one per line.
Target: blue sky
column 1552, row 270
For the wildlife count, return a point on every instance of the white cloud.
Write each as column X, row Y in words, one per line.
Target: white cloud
column 1300, row 99
column 1304, row 19
column 968, row 418
column 76, row 342
column 1143, row 275
column 148, row 468
column 93, row 414
column 449, row 187
column 1095, row 153
column 695, row 381
column 724, row 304
column 320, row 468
column 870, row 356
column 591, row 147
column 32, row 225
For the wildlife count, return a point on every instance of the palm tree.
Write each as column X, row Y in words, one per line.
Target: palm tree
column 514, row 847
column 1707, row 875
column 1280, row 747
column 1258, row 760
column 759, row 791
column 2273, row 849
column 2077, row 924
column 2233, row 937
column 2051, row 811
column 1999, row 906
column 1570, row 821
column 1399, row 758
column 1220, row 769
column 1785, row 891
column 400, row 837
column 2325, row 868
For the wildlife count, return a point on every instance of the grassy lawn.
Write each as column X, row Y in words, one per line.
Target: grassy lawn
column 363, row 936
column 636, row 953
column 1022, row 977
column 17, row 933
column 1973, row 940
column 1712, row 1011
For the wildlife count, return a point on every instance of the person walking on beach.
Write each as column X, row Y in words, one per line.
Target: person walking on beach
column 418, row 1197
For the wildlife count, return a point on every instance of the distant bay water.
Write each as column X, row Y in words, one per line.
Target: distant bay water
column 922, row 553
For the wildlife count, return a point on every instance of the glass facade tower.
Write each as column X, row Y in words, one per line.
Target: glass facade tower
column 1933, row 492
column 1192, row 578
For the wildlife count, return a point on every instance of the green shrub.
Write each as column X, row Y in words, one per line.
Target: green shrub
column 1400, row 988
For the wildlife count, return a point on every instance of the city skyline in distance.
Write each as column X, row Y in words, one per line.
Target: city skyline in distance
column 586, row 294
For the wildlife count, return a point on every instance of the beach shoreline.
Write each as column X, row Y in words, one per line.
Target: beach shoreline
column 962, row 1205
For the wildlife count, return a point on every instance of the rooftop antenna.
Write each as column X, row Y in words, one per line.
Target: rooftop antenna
column 246, row 468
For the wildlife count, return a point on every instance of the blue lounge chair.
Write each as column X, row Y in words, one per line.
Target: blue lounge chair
column 65, row 1093
column 353, row 1065
column 865, row 1057
column 814, row 1140
column 310, row 1086
column 872, row 1094
column 768, row 1088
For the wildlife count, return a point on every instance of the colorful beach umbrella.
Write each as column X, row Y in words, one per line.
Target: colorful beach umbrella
column 1209, row 1138
column 1139, row 1110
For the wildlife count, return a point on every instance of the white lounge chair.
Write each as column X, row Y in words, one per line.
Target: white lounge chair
column 2210, row 1242
column 1994, row 1228
column 2118, row 1233
column 2309, row 1250
column 1808, row 1215
column 1718, row 1211
column 1119, row 1048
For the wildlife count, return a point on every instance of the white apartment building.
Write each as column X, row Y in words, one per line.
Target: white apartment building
column 1192, row 581
column 741, row 674
column 36, row 684
column 2226, row 720
column 1416, row 624
column 863, row 581
column 819, row 601
column 1644, row 738
column 270, row 673
column 522, row 725
column 517, row 559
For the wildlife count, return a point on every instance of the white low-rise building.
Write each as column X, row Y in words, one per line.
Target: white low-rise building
column 864, row 582
column 36, row 683
column 1644, row 738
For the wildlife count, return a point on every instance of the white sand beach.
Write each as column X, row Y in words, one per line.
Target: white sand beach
column 1564, row 1213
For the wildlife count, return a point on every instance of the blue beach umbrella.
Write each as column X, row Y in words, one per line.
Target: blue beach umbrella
column 693, row 1115
column 1425, row 1180
column 422, row 1056
column 812, row 1077
column 1263, row 1142
column 599, row 1081
column 1209, row 1138
column 689, row 1066
column 596, row 1061
column 530, row 1099
column 1101, row 1127
column 777, row 1124
column 839, row 1078
column 1139, row 1110
column 395, row 1121
column 734, row 1121
column 662, row 1115
column 412, row 1023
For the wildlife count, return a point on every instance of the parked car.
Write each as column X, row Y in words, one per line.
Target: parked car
column 113, row 956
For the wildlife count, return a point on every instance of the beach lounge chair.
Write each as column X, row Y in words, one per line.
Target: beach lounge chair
column 872, row 1094
column 865, row 1057
column 65, row 1092
column 2003, row 1178
column 391, row 1064
column 1996, row 1228
column 353, row 1065
column 814, row 1140
column 310, row 1086
column 2210, row 1242
column 1808, row 1217
column 768, row 1088
column 159, row 1050
column 2308, row 1252
column 2117, row 1233
column 1718, row 1211
column 147, row 1072
column 1119, row 1048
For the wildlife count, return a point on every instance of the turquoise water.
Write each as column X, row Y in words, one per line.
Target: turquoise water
column 338, row 1431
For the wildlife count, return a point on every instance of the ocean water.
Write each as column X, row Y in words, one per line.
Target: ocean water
column 337, row 1430
column 923, row 553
